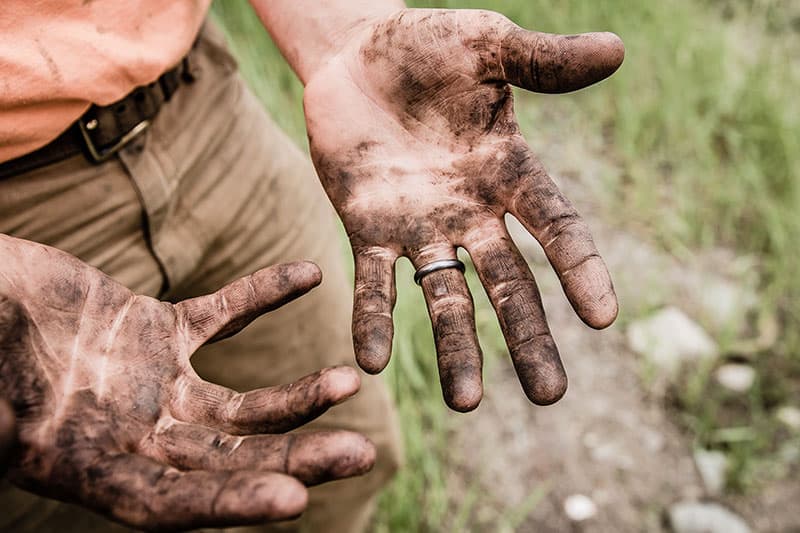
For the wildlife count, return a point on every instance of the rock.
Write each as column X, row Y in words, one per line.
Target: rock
column 579, row 507
column 591, row 440
column 721, row 303
column 712, row 466
column 789, row 415
column 668, row 338
column 735, row 377
column 695, row 517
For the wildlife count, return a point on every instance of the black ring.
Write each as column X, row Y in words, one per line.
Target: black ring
column 436, row 265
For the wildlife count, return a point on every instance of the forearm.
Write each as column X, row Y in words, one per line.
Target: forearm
column 309, row 32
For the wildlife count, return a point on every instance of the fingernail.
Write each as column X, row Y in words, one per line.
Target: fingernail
column 343, row 381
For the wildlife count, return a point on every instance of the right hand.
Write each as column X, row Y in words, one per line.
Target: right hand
column 111, row 415
column 412, row 130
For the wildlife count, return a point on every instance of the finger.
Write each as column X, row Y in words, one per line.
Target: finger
column 515, row 297
column 268, row 410
column 457, row 349
column 8, row 433
column 312, row 458
column 145, row 494
column 215, row 316
column 568, row 244
column 549, row 63
column 374, row 298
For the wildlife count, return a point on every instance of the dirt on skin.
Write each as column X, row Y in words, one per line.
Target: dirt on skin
column 610, row 438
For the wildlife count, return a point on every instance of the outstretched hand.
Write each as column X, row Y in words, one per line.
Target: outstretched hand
column 111, row 415
column 412, row 131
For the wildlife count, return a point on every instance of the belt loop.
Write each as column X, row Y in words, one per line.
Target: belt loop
column 190, row 70
column 169, row 83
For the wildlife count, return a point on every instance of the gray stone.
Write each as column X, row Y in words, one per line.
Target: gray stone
column 735, row 377
column 578, row 507
column 668, row 338
column 695, row 517
column 722, row 300
column 789, row 415
column 712, row 466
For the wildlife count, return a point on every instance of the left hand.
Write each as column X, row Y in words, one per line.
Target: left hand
column 412, row 131
column 111, row 415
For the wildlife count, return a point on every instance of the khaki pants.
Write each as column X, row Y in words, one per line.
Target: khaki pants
column 211, row 192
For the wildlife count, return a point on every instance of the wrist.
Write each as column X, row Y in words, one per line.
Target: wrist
column 350, row 34
column 310, row 34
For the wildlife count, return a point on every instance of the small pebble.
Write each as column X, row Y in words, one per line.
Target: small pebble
column 789, row 415
column 579, row 507
column 735, row 377
column 713, row 466
column 697, row 517
column 668, row 338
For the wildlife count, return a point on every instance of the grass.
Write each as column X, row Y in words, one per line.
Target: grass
column 704, row 125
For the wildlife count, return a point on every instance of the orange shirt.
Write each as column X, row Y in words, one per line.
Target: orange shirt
column 57, row 57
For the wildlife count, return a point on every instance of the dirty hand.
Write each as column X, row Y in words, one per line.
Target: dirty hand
column 412, row 131
column 110, row 414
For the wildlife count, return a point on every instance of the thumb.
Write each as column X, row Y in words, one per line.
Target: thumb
column 224, row 313
column 549, row 63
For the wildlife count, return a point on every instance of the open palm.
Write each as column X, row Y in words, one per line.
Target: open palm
column 413, row 134
column 111, row 415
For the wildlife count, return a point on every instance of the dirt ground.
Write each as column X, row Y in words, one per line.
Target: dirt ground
column 610, row 438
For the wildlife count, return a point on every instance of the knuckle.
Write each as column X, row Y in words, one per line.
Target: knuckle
column 372, row 295
column 510, row 286
column 231, row 414
column 371, row 317
column 530, row 337
column 451, row 303
column 568, row 223
column 579, row 262
column 484, row 17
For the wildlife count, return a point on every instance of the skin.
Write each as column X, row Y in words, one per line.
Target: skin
column 111, row 415
column 412, row 131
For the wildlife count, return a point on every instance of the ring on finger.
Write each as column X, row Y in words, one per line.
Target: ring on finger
column 433, row 266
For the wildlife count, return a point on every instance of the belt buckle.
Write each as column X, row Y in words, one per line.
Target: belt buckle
column 98, row 155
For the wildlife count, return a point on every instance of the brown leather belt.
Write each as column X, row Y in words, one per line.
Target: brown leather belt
column 103, row 130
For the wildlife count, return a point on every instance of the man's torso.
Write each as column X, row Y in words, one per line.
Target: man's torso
column 57, row 57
